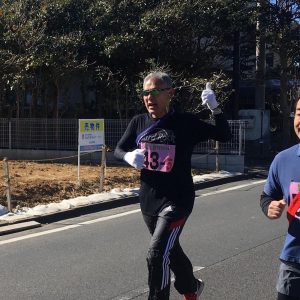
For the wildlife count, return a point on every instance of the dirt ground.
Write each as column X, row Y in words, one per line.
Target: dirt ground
column 35, row 183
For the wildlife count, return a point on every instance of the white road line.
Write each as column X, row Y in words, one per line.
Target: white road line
column 232, row 188
column 144, row 290
column 33, row 235
column 102, row 219
column 111, row 217
column 195, row 269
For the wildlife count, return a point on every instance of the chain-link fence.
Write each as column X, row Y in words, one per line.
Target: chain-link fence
column 236, row 145
column 62, row 134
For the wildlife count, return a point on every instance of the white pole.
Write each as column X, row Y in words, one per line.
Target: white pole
column 217, row 157
column 7, row 183
column 78, row 154
column 240, row 139
column 78, row 166
column 102, row 168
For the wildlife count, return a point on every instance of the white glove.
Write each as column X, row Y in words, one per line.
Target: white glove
column 135, row 158
column 209, row 98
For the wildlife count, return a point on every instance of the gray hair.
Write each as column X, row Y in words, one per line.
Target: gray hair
column 164, row 77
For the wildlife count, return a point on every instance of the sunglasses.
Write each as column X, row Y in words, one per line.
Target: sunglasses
column 154, row 92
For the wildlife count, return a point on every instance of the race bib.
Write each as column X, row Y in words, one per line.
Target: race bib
column 158, row 157
column 294, row 207
column 294, row 189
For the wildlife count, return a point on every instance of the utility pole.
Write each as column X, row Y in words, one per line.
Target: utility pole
column 260, row 67
column 236, row 72
column 260, row 74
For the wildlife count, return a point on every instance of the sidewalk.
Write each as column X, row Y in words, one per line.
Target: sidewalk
column 69, row 208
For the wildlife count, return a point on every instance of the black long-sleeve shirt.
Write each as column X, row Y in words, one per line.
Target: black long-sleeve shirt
column 184, row 130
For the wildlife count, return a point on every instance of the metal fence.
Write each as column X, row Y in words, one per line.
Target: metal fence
column 236, row 145
column 62, row 134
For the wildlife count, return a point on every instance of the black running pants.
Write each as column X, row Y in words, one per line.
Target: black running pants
column 165, row 253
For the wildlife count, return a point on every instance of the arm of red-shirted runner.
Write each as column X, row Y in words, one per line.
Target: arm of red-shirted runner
column 271, row 207
column 265, row 201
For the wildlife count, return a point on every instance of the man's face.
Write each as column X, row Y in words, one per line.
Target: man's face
column 157, row 105
column 297, row 119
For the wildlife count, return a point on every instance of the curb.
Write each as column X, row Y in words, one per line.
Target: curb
column 17, row 227
column 71, row 213
column 105, row 205
column 219, row 181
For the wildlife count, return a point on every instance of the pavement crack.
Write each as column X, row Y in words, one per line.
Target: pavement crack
column 244, row 251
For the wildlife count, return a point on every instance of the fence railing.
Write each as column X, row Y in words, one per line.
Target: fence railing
column 62, row 134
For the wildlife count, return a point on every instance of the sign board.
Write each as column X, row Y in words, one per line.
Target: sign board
column 90, row 135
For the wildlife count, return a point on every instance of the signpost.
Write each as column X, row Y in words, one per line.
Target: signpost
column 90, row 137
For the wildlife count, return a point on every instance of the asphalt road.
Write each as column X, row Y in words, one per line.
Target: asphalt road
column 232, row 245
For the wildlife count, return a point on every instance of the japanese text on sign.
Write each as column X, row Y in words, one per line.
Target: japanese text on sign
column 91, row 134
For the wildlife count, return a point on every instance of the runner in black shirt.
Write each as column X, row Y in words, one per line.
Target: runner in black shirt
column 160, row 143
